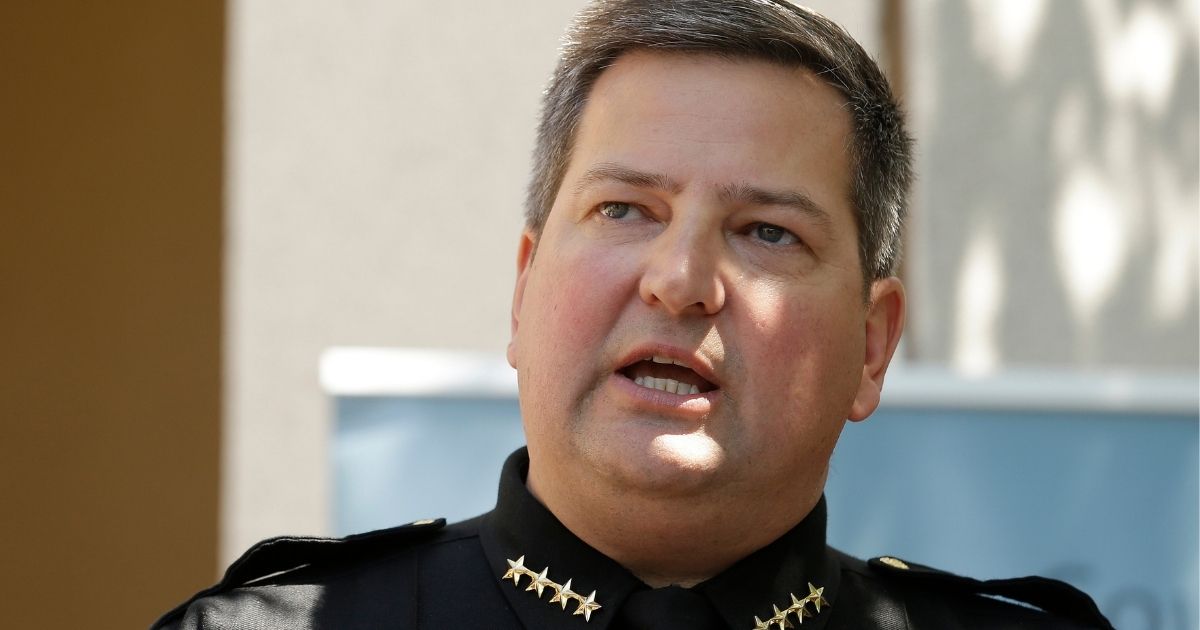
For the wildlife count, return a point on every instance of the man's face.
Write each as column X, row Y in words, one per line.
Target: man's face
column 703, row 235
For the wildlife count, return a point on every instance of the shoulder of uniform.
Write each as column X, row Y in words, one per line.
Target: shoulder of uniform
column 282, row 554
column 1052, row 596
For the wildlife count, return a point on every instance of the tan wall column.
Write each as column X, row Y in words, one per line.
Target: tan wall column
column 110, row 285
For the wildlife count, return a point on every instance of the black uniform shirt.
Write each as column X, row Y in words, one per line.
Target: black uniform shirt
column 519, row 567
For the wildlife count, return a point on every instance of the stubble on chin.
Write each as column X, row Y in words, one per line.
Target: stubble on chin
column 648, row 458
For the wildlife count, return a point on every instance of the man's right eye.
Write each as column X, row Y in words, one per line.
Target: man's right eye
column 616, row 209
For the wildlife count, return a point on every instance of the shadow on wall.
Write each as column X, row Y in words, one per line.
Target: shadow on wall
column 1057, row 215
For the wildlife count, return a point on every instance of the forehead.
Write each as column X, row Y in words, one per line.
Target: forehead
column 755, row 75
column 707, row 119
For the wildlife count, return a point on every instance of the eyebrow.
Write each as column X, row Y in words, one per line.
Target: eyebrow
column 753, row 195
column 797, row 201
column 641, row 179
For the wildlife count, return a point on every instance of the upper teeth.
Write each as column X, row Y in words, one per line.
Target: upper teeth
column 665, row 360
column 666, row 384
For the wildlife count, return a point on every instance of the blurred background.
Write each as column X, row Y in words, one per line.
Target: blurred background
column 222, row 223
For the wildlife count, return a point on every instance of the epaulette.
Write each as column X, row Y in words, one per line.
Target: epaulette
column 286, row 553
column 1053, row 596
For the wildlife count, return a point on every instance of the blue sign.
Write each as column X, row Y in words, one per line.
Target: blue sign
column 1107, row 501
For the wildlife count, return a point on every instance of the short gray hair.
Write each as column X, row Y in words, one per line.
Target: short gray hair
column 770, row 30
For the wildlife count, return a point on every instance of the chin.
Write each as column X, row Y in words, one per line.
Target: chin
column 670, row 464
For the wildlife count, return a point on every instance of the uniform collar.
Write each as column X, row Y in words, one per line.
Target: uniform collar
column 521, row 526
column 771, row 576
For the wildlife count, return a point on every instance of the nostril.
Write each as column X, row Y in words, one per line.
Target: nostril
column 681, row 295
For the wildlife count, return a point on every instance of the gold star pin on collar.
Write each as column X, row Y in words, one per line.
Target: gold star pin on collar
column 539, row 583
column 782, row 618
column 562, row 592
column 516, row 568
column 816, row 596
column 587, row 606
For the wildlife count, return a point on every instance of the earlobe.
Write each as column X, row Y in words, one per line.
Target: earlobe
column 884, row 323
column 524, row 261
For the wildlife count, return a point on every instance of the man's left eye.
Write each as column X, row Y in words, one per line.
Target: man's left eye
column 773, row 234
column 616, row 209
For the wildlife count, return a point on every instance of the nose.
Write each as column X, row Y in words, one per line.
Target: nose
column 682, row 272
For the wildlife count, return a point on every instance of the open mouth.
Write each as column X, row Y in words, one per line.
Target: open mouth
column 667, row 375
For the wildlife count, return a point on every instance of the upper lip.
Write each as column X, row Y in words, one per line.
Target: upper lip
column 691, row 360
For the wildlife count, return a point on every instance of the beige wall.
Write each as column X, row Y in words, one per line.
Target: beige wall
column 110, row 240
column 1056, row 222
column 378, row 154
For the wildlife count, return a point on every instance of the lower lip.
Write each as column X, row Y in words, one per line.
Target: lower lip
column 694, row 406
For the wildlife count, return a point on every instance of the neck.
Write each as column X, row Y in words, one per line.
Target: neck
column 674, row 540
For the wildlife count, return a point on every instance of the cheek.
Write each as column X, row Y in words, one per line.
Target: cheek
column 806, row 346
column 577, row 294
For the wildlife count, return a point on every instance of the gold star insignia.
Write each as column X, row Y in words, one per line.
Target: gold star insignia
column 781, row 618
column 515, row 569
column 563, row 595
column 586, row 606
column 816, row 596
column 797, row 607
column 539, row 582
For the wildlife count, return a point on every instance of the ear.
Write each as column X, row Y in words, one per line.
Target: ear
column 524, row 261
column 884, row 323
